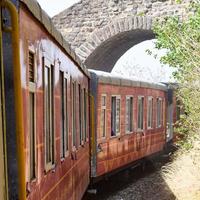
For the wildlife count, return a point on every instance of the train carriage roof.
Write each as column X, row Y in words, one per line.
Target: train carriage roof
column 46, row 21
column 108, row 78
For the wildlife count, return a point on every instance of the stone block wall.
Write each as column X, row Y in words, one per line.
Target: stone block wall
column 78, row 22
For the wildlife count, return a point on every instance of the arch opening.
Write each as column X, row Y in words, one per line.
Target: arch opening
column 107, row 53
column 138, row 64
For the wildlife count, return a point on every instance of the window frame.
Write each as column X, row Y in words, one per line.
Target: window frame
column 47, row 63
column 103, row 108
column 64, row 152
column 80, row 114
column 73, row 114
column 118, row 97
column 32, row 90
column 86, row 114
column 132, row 117
column 138, row 128
column 161, row 112
column 152, row 114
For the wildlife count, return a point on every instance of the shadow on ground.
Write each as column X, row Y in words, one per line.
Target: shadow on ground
column 135, row 184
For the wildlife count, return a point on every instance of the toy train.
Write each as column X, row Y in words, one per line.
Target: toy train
column 62, row 125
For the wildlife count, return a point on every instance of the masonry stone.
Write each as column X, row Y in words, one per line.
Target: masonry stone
column 92, row 25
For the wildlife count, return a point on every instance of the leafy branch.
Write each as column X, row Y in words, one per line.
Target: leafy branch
column 182, row 40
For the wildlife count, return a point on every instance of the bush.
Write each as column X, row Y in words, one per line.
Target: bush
column 182, row 40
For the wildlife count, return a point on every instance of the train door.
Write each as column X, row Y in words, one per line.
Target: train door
column 169, row 132
column 3, row 184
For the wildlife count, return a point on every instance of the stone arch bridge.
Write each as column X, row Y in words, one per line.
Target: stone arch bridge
column 101, row 31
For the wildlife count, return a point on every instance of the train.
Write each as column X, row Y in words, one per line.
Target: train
column 133, row 121
column 63, row 126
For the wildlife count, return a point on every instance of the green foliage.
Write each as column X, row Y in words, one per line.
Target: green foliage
column 141, row 14
column 182, row 39
column 178, row 1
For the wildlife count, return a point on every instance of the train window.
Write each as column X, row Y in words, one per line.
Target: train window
column 49, row 114
column 159, row 112
column 31, row 66
column 64, row 115
column 85, row 115
column 31, row 114
column 73, row 98
column 80, row 114
column 32, row 134
column 140, row 112
column 129, row 114
column 103, row 116
column 150, row 112
column 115, row 115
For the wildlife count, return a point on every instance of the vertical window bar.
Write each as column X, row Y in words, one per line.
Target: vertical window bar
column 80, row 114
column 113, row 116
column 31, row 115
column 52, row 112
column 32, row 134
column 74, row 114
column 85, row 114
column 159, row 112
column 150, row 113
column 140, row 112
column 62, row 81
column 66, row 115
column 49, row 115
column 129, row 114
column 103, row 116
column 118, row 116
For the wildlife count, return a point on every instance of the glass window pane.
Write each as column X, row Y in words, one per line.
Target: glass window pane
column 74, row 114
column 140, row 112
column 66, row 115
column 127, row 114
column 103, row 101
column 150, row 113
column 118, row 116
column 103, row 116
column 113, row 116
column 131, row 114
column 32, row 134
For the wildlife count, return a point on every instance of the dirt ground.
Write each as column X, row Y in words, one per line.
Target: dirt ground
column 136, row 184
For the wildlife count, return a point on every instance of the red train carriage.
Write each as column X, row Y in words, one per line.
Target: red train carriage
column 130, row 121
column 54, row 86
column 55, row 110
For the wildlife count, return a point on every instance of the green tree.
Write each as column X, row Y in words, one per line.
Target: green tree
column 182, row 40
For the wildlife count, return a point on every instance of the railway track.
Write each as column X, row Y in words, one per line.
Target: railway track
column 135, row 184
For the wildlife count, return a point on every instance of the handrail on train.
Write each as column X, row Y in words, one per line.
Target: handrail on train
column 14, row 31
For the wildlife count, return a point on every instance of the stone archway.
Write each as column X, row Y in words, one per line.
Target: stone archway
column 108, row 44
column 101, row 31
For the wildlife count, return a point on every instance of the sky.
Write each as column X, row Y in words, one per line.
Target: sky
column 52, row 7
column 137, row 64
